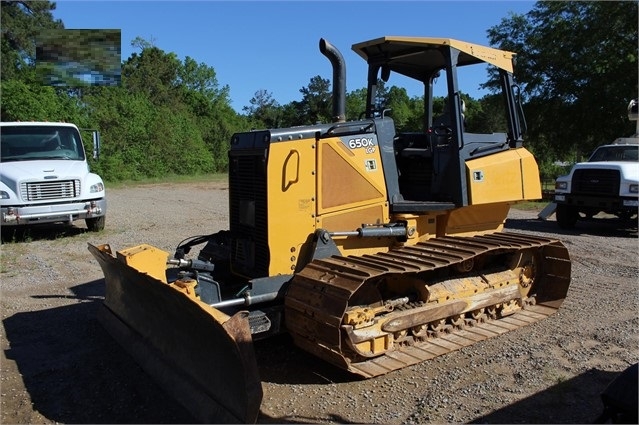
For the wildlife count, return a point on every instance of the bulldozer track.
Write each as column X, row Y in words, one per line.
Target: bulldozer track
column 320, row 294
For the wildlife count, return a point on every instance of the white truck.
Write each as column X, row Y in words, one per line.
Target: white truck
column 608, row 182
column 45, row 176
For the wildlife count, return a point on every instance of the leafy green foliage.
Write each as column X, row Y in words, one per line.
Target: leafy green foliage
column 153, row 74
column 22, row 101
column 577, row 62
column 316, row 104
column 485, row 115
column 22, row 22
column 123, row 119
column 167, row 117
column 355, row 104
column 25, row 102
column 549, row 170
column 263, row 110
column 398, row 102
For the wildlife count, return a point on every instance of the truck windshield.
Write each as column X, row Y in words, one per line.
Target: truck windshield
column 616, row 153
column 32, row 143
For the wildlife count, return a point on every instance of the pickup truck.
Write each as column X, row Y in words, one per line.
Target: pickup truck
column 45, row 176
column 608, row 182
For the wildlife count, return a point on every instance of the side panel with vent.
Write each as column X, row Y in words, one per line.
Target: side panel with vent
column 350, row 175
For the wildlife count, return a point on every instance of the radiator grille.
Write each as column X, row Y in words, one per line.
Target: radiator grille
column 248, row 214
column 595, row 182
column 39, row 191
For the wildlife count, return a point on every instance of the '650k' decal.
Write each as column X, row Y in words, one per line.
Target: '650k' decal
column 366, row 143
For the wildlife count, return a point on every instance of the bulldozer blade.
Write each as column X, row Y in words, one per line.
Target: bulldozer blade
column 197, row 354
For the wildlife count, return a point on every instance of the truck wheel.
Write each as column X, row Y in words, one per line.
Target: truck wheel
column 567, row 216
column 95, row 224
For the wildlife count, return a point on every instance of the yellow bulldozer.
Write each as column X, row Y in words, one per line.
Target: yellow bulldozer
column 374, row 249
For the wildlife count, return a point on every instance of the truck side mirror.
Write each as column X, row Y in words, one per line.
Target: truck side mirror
column 95, row 135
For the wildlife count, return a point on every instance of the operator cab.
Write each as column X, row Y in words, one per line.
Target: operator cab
column 430, row 161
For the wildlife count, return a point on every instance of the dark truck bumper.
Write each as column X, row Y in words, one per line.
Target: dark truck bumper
column 588, row 203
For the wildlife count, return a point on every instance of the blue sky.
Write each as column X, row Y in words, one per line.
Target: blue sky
column 273, row 46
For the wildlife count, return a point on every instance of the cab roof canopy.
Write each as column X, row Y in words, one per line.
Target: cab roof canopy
column 419, row 57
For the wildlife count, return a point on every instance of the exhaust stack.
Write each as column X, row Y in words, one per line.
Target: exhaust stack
column 339, row 79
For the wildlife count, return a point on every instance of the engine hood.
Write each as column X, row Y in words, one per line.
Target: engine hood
column 626, row 168
column 629, row 171
column 15, row 172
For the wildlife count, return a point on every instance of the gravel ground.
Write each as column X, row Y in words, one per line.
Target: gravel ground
column 59, row 366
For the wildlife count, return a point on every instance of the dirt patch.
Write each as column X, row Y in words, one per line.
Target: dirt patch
column 59, row 365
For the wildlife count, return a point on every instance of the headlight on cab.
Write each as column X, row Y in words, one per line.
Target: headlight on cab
column 561, row 185
column 4, row 195
column 98, row 187
column 634, row 188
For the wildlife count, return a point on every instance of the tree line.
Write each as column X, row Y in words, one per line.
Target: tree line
column 576, row 66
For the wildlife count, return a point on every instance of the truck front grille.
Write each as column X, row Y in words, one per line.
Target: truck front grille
column 41, row 191
column 595, row 182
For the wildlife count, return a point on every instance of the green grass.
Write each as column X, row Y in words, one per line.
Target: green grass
column 530, row 205
column 173, row 179
column 9, row 259
column 548, row 184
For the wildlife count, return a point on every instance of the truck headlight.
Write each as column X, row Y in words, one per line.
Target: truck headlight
column 4, row 195
column 561, row 185
column 634, row 188
column 98, row 187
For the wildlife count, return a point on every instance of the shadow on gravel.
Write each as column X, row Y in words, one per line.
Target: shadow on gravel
column 330, row 418
column 579, row 398
column 41, row 232
column 595, row 227
column 281, row 362
column 75, row 373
